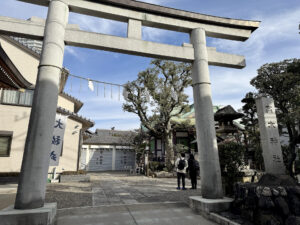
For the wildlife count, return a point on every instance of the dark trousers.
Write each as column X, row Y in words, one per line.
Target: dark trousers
column 182, row 177
column 193, row 176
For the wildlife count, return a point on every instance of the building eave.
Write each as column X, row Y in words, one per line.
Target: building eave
column 9, row 70
column 36, row 55
column 86, row 123
column 77, row 102
column 21, row 46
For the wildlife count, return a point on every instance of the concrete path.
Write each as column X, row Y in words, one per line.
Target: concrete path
column 134, row 214
column 7, row 195
column 118, row 199
column 119, row 188
column 115, row 188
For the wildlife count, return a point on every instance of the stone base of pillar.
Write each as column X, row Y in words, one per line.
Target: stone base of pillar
column 45, row 215
column 206, row 206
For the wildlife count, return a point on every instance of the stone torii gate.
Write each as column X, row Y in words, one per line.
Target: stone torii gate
column 56, row 33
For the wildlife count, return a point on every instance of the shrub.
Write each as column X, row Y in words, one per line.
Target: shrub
column 154, row 165
column 165, row 169
column 231, row 156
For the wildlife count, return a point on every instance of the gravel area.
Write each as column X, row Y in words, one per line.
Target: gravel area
column 69, row 195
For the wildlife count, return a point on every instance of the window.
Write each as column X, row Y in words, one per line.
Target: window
column 5, row 143
column 17, row 97
column 158, row 144
column 152, row 145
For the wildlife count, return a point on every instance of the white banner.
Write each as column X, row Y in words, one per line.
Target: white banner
column 57, row 138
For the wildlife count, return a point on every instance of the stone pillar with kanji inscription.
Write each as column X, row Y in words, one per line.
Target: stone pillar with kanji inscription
column 269, row 136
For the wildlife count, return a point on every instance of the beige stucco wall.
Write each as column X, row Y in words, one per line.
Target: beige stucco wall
column 65, row 103
column 21, row 60
column 16, row 119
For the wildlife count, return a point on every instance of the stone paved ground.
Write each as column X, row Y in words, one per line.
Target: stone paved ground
column 122, row 189
column 108, row 189
column 7, row 195
column 118, row 198
column 134, row 214
column 117, row 188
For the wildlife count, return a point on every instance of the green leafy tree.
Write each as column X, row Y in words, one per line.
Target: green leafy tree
column 156, row 96
column 252, row 138
column 281, row 81
column 140, row 143
column 231, row 156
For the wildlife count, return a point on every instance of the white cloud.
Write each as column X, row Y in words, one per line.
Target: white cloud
column 98, row 25
column 154, row 34
column 118, row 124
column 272, row 41
column 73, row 52
column 114, row 114
column 108, row 113
column 231, row 81
column 108, row 101
column 281, row 27
column 234, row 102
column 21, row 10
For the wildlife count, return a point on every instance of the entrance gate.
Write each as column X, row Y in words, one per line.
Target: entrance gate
column 56, row 33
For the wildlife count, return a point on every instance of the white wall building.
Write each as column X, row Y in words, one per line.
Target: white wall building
column 18, row 72
column 108, row 150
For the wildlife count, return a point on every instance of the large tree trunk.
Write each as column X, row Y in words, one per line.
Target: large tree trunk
column 169, row 148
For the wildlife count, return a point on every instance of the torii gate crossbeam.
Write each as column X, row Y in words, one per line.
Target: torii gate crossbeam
column 133, row 46
column 55, row 33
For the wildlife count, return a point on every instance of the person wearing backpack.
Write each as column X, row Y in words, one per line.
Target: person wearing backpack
column 181, row 165
column 193, row 169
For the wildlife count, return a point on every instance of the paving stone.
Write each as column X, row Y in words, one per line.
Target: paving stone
column 130, row 201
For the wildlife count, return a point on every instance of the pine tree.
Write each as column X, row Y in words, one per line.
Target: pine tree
column 252, row 140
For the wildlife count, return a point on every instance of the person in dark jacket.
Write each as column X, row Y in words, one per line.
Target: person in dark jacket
column 193, row 168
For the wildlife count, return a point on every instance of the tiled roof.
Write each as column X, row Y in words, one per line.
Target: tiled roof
column 78, row 103
column 218, row 110
column 115, row 137
column 227, row 113
column 33, row 45
column 190, row 115
column 87, row 123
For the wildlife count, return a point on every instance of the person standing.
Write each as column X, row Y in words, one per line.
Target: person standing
column 181, row 165
column 193, row 169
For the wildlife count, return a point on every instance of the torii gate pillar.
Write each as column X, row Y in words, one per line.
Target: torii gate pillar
column 35, row 164
column 211, row 183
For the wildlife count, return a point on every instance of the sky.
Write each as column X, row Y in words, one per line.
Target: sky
column 276, row 39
